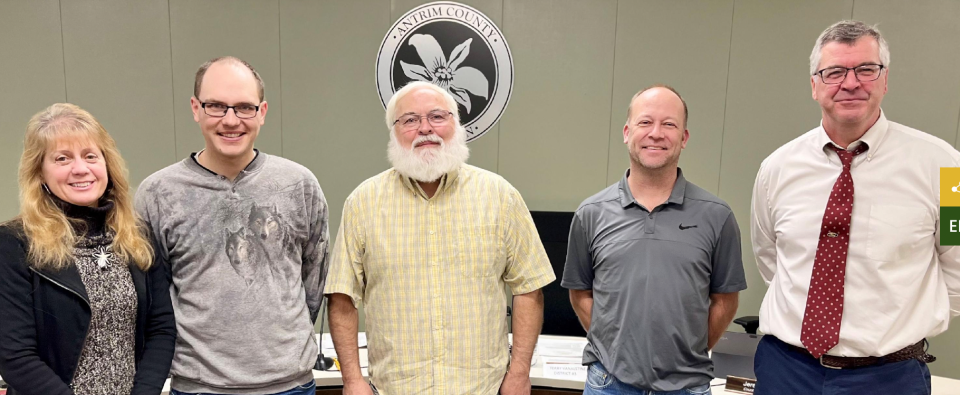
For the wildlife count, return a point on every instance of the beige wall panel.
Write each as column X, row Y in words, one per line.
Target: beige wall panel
column 768, row 101
column 923, row 93
column 924, row 38
column 117, row 61
column 484, row 151
column 554, row 139
column 944, row 347
column 32, row 64
column 684, row 44
column 203, row 30
column 332, row 117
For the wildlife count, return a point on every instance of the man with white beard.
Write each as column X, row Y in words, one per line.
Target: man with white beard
column 430, row 246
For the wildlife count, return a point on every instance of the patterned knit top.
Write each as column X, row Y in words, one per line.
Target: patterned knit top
column 107, row 362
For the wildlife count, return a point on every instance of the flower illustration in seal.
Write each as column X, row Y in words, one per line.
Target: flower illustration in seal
column 446, row 74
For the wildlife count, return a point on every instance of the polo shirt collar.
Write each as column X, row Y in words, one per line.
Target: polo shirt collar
column 676, row 195
column 446, row 182
column 873, row 137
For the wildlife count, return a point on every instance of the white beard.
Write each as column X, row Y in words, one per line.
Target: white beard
column 429, row 164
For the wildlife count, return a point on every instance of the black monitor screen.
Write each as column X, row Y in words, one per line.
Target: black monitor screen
column 558, row 315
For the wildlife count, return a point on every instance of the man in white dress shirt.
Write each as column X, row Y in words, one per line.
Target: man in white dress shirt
column 845, row 231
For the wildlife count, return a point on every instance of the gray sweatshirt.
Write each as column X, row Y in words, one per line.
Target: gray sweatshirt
column 248, row 259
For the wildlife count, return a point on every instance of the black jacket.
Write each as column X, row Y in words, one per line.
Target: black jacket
column 44, row 316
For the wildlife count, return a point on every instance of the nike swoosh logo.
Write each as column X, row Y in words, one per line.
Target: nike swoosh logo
column 687, row 227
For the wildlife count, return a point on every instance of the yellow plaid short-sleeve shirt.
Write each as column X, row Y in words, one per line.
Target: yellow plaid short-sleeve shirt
column 432, row 274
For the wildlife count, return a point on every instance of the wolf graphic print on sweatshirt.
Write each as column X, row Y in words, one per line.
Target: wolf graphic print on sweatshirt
column 248, row 259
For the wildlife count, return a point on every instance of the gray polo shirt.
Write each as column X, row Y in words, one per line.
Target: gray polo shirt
column 652, row 273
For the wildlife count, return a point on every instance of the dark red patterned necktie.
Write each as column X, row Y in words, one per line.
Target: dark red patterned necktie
column 821, row 318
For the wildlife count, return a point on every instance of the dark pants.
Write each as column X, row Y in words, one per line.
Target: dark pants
column 782, row 370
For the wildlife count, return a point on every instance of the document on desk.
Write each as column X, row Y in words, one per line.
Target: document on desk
column 564, row 368
column 562, row 360
column 561, row 347
column 326, row 341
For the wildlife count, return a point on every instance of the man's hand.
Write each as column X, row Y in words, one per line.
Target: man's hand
column 515, row 384
column 356, row 388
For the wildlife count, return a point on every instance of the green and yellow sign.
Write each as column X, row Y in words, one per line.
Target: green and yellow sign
column 950, row 206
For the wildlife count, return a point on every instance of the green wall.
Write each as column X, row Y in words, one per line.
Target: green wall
column 742, row 66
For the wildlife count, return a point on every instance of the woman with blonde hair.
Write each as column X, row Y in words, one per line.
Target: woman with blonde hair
column 84, row 300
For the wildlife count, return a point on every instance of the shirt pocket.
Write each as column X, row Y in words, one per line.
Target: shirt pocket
column 895, row 232
column 478, row 251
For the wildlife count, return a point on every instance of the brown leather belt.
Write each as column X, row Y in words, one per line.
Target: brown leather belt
column 916, row 351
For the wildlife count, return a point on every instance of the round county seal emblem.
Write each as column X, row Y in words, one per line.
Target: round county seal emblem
column 457, row 48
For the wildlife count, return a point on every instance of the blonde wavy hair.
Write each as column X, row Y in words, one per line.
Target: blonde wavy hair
column 50, row 236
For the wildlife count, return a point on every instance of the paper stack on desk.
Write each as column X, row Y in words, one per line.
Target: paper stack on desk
column 570, row 348
column 562, row 358
column 326, row 342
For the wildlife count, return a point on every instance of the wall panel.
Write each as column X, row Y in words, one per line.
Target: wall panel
column 332, row 118
column 923, row 84
column 554, row 138
column 32, row 64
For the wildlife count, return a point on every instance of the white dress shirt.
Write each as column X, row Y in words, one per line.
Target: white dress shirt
column 901, row 285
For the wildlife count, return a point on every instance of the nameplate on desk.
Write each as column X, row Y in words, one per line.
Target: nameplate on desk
column 564, row 371
column 740, row 384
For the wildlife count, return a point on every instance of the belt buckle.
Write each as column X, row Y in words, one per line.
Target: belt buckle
column 828, row 366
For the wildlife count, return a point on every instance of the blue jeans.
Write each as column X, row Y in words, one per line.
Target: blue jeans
column 306, row 389
column 601, row 382
column 782, row 370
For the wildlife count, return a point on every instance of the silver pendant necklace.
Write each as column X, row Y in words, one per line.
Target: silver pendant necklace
column 103, row 257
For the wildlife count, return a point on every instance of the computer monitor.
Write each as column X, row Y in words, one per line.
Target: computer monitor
column 558, row 315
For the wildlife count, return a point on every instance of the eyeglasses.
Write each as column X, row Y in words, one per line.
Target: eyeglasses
column 219, row 110
column 435, row 118
column 863, row 73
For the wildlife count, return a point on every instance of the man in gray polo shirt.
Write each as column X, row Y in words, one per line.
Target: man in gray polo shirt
column 653, row 263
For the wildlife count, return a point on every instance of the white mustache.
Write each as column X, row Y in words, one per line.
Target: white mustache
column 427, row 138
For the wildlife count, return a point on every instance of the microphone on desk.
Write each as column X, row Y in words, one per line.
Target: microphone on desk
column 323, row 363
